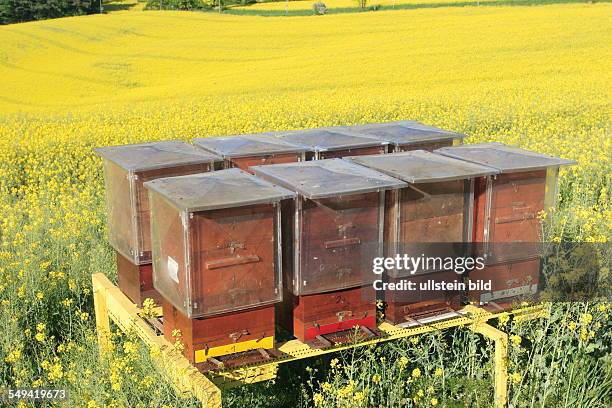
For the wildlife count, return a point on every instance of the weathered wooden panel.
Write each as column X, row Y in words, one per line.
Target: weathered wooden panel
column 336, row 232
column 430, row 200
column 433, row 213
column 205, row 333
column 233, row 257
column 510, row 282
column 429, row 146
column 136, row 281
column 143, row 215
column 244, row 163
column 480, row 205
column 120, row 216
column 308, row 316
column 391, row 222
column 133, row 237
column 405, row 305
column 170, row 247
column 357, row 151
column 516, row 201
column 516, row 225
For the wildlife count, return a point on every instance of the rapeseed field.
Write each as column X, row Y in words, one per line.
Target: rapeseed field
column 346, row 4
column 537, row 77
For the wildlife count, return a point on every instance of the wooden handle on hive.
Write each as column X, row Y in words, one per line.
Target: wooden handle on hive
column 513, row 218
column 233, row 261
column 342, row 243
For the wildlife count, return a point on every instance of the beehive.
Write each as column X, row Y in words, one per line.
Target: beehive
column 331, row 231
column 405, row 135
column 506, row 216
column 250, row 150
column 332, row 142
column 126, row 168
column 216, row 255
column 432, row 217
column 136, row 281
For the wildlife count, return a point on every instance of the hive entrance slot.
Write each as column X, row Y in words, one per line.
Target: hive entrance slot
column 417, row 315
column 426, row 319
column 238, row 360
column 157, row 324
column 339, row 338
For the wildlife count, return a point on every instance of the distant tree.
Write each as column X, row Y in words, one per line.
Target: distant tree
column 179, row 4
column 15, row 11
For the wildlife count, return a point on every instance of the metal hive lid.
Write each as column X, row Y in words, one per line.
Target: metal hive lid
column 326, row 178
column 332, row 138
column 420, row 166
column 404, row 132
column 247, row 145
column 155, row 155
column 506, row 159
column 218, row 189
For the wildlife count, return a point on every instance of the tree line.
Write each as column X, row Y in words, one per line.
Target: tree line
column 16, row 11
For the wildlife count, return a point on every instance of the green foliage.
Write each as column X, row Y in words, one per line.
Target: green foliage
column 319, row 8
column 179, row 4
column 16, row 11
column 560, row 361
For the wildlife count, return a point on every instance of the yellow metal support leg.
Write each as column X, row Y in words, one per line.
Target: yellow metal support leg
column 110, row 303
column 501, row 360
column 102, row 319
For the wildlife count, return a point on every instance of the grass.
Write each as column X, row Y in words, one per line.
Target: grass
column 537, row 77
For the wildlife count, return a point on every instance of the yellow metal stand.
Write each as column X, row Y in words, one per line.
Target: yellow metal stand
column 112, row 304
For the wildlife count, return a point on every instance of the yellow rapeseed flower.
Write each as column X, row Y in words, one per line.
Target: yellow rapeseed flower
column 130, row 347
column 334, row 362
column 13, row 356
column 516, row 340
column 586, row 318
column 515, row 378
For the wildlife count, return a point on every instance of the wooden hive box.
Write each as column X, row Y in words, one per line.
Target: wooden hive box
column 406, row 135
column 251, row 150
column 331, row 231
column 430, row 217
column 332, row 142
column 136, row 281
column 126, row 168
column 507, row 227
column 217, row 259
